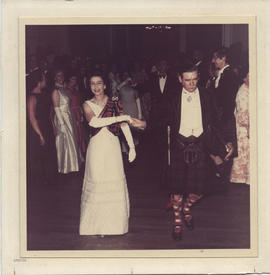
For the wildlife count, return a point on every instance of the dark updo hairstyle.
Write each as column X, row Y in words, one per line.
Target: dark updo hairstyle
column 33, row 79
column 98, row 74
column 69, row 74
column 58, row 70
column 243, row 72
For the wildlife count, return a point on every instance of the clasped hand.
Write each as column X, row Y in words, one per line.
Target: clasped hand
column 123, row 118
column 229, row 149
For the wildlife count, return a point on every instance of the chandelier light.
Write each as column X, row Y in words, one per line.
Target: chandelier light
column 158, row 28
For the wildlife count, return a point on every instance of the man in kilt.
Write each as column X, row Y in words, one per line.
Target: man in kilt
column 194, row 136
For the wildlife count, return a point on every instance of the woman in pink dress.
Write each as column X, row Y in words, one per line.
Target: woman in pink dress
column 75, row 95
column 240, row 169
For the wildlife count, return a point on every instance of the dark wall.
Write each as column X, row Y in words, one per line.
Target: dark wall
column 136, row 41
column 205, row 37
column 88, row 40
column 116, row 41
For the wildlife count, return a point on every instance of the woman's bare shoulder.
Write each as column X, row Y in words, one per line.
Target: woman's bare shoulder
column 88, row 102
column 87, row 105
column 31, row 99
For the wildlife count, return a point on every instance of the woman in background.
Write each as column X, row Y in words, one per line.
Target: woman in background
column 75, row 95
column 69, row 155
column 240, row 168
column 129, row 97
column 41, row 153
column 131, row 103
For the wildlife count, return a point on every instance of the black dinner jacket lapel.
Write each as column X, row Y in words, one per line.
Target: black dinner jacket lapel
column 166, row 86
column 165, row 90
column 203, row 108
column 158, row 87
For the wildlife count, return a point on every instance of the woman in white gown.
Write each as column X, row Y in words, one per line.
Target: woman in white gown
column 69, row 156
column 105, row 200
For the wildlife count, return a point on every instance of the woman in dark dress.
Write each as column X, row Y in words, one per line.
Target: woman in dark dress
column 75, row 96
column 41, row 153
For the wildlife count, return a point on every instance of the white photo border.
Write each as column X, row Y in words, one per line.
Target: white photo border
column 252, row 251
column 13, row 262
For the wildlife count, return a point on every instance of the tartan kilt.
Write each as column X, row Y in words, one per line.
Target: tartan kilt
column 188, row 178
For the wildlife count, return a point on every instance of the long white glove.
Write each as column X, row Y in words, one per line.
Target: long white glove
column 98, row 122
column 127, row 133
column 59, row 117
column 123, row 83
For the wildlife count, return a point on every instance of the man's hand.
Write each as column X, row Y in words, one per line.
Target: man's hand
column 41, row 140
column 230, row 150
column 137, row 123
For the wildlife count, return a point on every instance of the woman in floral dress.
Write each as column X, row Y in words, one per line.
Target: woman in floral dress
column 240, row 169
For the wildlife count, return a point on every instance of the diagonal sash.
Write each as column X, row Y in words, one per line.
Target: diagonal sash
column 112, row 108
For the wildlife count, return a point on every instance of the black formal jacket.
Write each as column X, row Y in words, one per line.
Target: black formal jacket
column 225, row 95
column 159, row 99
column 212, row 136
column 154, row 87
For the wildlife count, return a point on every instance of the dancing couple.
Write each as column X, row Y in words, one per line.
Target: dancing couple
column 194, row 134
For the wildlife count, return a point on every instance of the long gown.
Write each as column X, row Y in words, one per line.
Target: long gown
column 104, row 200
column 41, row 160
column 240, row 168
column 78, row 113
column 69, row 155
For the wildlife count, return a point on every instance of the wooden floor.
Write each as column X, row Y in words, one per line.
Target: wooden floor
column 221, row 218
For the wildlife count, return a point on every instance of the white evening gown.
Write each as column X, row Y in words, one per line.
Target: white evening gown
column 104, row 200
column 69, row 156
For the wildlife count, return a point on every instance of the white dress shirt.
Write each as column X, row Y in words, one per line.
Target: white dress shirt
column 162, row 82
column 220, row 72
column 191, row 114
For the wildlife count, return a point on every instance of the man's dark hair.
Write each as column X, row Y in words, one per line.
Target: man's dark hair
column 187, row 68
column 70, row 74
column 223, row 52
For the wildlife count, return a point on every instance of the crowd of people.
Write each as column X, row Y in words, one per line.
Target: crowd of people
column 195, row 109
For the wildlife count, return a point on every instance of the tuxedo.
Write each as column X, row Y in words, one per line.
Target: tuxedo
column 157, row 124
column 225, row 89
column 225, row 93
column 209, row 118
column 159, row 98
column 192, row 177
column 155, row 88
column 203, row 68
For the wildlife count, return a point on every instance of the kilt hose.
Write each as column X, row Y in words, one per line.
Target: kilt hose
column 190, row 164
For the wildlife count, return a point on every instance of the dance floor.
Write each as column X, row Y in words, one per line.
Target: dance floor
column 53, row 211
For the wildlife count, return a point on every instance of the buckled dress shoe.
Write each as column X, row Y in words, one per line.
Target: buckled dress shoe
column 189, row 223
column 177, row 235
